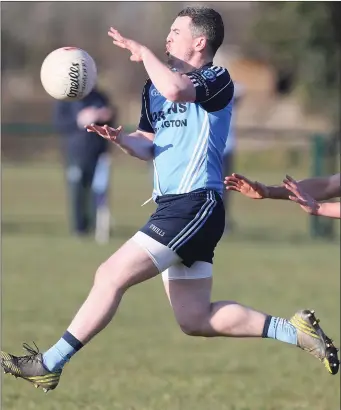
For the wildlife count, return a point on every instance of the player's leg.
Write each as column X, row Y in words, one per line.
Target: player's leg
column 77, row 200
column 89, row 200
column 188, row 286
column 100, row 189
column 130, row 265
column 189, row 293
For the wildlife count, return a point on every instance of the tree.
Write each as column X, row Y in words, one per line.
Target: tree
column 302, row 38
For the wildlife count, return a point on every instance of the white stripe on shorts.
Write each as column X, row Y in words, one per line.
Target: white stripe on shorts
column 196, row 224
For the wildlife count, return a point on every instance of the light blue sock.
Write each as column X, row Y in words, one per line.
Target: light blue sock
column 281, row 329
column 59, row 354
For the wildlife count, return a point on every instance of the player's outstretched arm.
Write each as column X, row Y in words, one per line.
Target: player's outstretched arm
column 243, row 185
column 172, row 85
column 330, row 210
column 309, row 204
column 138, row 144
column 320, row 189
column 254, row 189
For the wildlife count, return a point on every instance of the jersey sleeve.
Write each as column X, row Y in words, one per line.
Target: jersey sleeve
column 145, row 119
column 214, row 87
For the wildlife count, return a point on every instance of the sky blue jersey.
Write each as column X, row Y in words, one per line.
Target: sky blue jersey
column 190, row 138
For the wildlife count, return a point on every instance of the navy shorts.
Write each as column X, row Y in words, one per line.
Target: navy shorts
column 189, row 224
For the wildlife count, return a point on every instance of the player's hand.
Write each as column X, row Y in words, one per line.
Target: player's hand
column 134, row 47
column 251, row 189
column 307, row 203
column 111, row 134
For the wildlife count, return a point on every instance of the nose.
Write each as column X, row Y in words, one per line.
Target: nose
column 169, row 38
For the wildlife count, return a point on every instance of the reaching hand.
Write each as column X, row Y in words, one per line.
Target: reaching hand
column 133, row 46
column 307, row 203
column 111, row 134
column 251, row 189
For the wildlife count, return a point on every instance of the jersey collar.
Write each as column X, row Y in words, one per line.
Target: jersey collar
column 210, row 64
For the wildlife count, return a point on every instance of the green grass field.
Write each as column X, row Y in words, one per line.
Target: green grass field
column 142, row 361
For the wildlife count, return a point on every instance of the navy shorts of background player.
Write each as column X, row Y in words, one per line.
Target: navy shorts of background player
column 188, row 159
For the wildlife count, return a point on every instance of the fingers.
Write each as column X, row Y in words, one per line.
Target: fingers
column 294, row 184
column 94, row 128
column 294, row 189
column 290, row 186
column 241, row 178
column 117, row 130
column 289, row 178
column 232, row 188
column 229, row 179
column 119, row 44
column 307, row 206
column 112, row 133
column 104, row 131
column 297, row 200
column 235, row 178
column 119, row 40
column 115, row 34
column 233, row 184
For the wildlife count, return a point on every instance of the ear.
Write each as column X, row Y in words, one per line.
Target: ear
column 200, row 43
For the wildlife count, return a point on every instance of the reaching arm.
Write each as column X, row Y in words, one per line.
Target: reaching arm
column 211, row 86
column 319, row 188
column 308, row 203
column 138, row 144
column 330, row 210
column 172, row 85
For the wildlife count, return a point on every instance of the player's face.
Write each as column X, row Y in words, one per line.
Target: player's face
column 180, row 44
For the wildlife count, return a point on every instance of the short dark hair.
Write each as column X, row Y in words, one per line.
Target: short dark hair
column 207, row 22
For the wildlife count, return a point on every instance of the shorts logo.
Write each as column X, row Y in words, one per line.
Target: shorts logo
column 209, row 75
column 157, row 230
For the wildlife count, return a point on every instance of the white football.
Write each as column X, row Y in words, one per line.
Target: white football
column 68, row 73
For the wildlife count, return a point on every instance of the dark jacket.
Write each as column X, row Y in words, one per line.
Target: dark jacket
column 78, row 144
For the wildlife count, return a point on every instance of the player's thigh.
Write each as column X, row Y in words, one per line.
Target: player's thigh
column 139, row 259
column 128, row 266
column 190, row 298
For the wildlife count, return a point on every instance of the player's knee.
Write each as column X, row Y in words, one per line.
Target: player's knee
column 102, row 275
column 193, row 326
column 105, row 277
